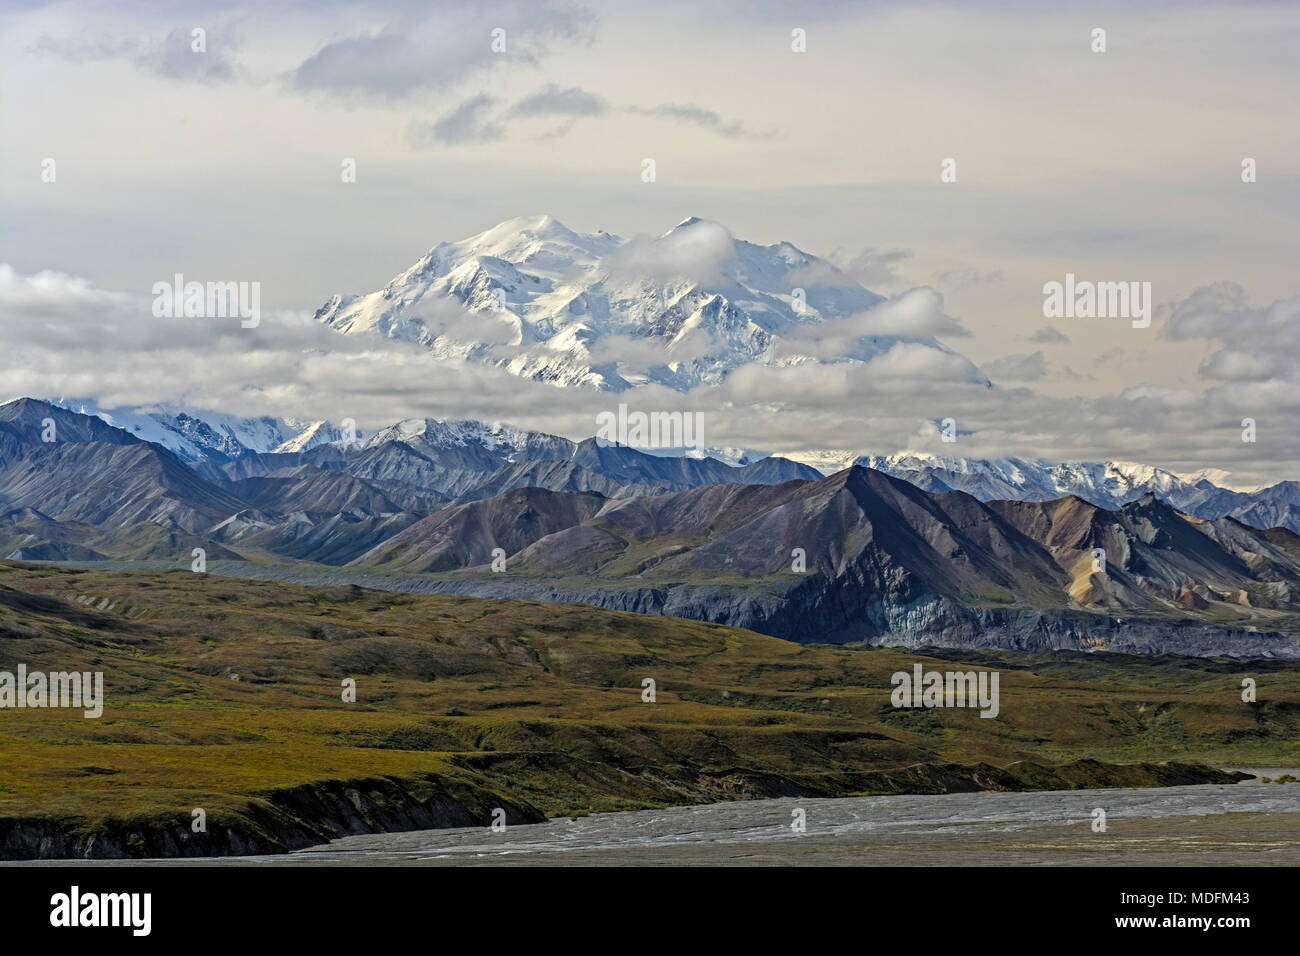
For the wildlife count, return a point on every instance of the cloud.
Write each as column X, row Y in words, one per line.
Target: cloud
column 467, row 123
column 876, row 268
column 696, row 250
column 640, row 354
column 1221, row 312
column 703, row 118
column 915, row 315
column 917, row 360
column 173, row 57
column 966, row 278
column 1259, row 347
column 446, row 318
column 817, row 272
column 554, row 100
column 439, row 46
column 1049, row 336
column 916, row 312
column 1236, row 365
column 1017, row 368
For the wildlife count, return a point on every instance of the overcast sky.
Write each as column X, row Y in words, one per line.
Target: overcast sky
column 1122, row 165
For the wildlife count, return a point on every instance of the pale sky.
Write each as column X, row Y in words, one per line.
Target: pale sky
column 1122, row 165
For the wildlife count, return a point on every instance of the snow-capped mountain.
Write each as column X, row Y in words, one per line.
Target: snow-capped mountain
column 314, row 434
column 505, row 440
column 467, row 451
column 1106, row 483
column 539, row 300
column 199, row 435
column 1110, row 484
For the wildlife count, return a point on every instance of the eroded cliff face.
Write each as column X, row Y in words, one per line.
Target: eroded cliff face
column 276, row 822
column 818, row 612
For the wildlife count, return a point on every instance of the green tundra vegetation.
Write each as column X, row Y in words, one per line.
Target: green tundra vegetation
column 228, row 695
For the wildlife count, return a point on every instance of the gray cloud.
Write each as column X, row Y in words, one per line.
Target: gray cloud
column 554, row 100
column 1017, row 368
column 1259, row 348
column 173, row 57
column 965, row 278
column 467, row 123
column 703, row 118
column 439, row 45
column 1049, row 336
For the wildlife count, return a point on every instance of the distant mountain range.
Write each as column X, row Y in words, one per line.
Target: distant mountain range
column 899, row 553
column 1109, row 484
column 198, row 436
column 195, row 435
column 103, row 491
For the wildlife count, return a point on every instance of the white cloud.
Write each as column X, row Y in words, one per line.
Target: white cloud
column 695, row 251
column 876, row 268
column 916, row 312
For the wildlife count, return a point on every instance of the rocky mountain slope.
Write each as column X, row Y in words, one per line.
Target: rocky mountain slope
column 862, row 556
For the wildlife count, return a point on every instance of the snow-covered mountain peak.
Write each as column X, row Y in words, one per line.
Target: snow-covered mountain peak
column 194, row 434
column 443, row 434
column 537, row 299
column 312, row 435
